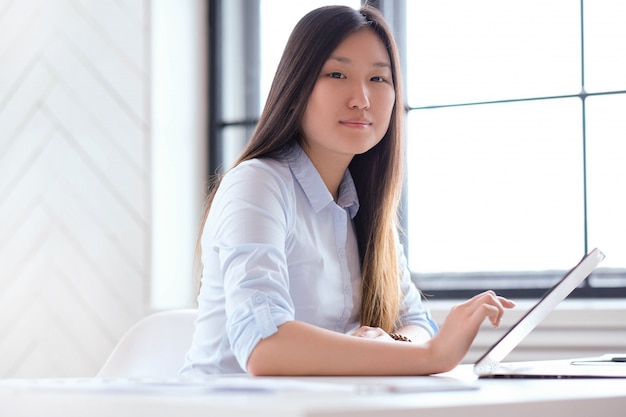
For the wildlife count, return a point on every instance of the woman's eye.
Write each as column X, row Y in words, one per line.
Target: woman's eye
column 378, row 79
column 336, row 75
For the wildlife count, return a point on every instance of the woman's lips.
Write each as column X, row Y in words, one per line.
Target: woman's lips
column 356, row 123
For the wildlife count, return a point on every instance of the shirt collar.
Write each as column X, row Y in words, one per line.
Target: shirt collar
column 314, row 188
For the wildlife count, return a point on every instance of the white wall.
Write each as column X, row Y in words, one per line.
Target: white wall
column 80, row 167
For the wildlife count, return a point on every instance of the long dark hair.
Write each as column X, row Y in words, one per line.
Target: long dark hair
column 377, row 173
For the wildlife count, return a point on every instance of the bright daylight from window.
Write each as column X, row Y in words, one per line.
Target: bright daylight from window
column 500, row 186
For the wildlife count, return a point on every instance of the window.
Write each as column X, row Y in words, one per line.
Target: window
column 516, row 145
column 516, row 139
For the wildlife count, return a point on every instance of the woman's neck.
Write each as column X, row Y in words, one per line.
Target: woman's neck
column 331, row 168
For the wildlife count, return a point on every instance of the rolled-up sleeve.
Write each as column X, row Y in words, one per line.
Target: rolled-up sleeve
column 251, row 231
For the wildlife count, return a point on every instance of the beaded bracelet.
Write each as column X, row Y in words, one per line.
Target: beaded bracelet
column 399, row 337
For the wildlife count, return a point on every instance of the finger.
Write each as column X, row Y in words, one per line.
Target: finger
column 491, row 306
column 494, row 299
column 470, row 306
column 496, row 310
column 484, row 305
column 369, row 332
column 472, row 303
column 501, row 303
column 506, row 303
column 493, row 313
column 482, row 295
column 362, row 331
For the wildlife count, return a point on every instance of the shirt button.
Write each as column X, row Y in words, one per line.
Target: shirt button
column 341, row 252
column 347, row 289
column 258, row 299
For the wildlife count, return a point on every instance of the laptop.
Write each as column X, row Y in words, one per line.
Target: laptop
column 489, row 365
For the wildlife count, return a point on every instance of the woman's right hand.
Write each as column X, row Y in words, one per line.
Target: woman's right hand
column 456, row 334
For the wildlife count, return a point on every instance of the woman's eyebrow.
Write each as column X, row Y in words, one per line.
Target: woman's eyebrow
column 344, row 60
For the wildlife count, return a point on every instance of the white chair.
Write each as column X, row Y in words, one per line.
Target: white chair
column 154, row 347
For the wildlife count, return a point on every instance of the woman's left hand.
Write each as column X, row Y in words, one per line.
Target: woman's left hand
column 372, row 333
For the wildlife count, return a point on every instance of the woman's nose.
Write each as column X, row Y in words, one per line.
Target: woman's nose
column 359, row 97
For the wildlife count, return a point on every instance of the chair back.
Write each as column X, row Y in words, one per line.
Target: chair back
column 154, row 347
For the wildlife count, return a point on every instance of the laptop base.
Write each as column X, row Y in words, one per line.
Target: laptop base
column 605, row 366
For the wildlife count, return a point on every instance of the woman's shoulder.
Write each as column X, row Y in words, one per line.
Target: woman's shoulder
column 259, row 169
column 264, row 164
column 259, row 174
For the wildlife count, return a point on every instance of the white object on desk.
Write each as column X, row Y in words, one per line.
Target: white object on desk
column 233, row 384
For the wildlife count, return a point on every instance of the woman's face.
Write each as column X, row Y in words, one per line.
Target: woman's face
column 350, row 107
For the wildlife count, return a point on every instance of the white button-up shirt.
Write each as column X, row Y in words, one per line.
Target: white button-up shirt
column 275, row 248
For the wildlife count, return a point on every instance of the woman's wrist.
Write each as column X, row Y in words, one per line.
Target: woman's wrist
column 399, row 337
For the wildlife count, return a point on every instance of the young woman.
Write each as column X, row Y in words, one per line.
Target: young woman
column 303, row 272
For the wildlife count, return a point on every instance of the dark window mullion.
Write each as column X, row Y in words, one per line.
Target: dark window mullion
column 583, row 96
column 215, row 42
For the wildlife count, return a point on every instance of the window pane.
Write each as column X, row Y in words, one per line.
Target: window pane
column 606, row 161
column 605, row 45
column 234, row 62
column 495, row 187
column 234, row 139
column 278, row 18
column 462, row 51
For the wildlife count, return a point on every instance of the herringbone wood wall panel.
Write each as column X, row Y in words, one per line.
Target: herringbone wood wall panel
column 74, row 181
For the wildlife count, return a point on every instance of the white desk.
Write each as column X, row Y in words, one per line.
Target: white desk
column 334, row 397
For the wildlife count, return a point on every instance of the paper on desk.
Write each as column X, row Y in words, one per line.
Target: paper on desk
column 245, row 384
column 175, row 386
column 404, row 384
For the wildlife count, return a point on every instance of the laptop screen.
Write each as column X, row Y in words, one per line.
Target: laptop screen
column 498, row 351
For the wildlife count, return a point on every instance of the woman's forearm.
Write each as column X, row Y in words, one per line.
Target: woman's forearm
column 302, row 349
